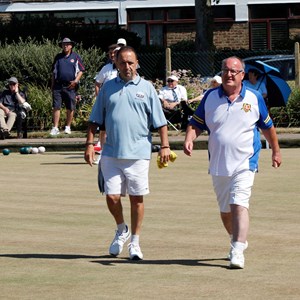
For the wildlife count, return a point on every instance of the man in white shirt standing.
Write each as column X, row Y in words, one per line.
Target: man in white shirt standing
column 108, row 71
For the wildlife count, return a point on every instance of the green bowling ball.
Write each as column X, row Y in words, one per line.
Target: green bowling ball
column 25, row 150
column 5, row 151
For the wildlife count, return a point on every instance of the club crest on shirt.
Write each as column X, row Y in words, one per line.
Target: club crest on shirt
column 246, row 107
column 140, row 95
column 72, row 60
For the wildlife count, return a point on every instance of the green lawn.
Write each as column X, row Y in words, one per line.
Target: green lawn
column 56, row 230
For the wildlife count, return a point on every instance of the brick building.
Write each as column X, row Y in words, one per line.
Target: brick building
column 256, row 24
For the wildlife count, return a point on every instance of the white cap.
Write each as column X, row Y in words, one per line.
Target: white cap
column 122, row 42
column 173, row 77
column 218, row 79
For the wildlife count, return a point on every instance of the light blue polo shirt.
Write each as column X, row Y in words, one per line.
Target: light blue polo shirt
column 258, row 86
column 128, row 109
column 234, row 139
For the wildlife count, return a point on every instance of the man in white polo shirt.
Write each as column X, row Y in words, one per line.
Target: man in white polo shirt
column 233, row 114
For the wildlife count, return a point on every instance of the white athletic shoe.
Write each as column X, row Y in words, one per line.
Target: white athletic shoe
column 67, row 130
column 54, row 131
column 135, row 252
column 237, row 260
column 118, row 242
column 231, row 248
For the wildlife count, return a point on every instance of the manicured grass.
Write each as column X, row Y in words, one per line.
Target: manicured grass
column 56, row 230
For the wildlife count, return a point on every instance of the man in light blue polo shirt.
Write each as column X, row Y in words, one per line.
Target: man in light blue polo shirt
column 233, row 114
column 126, row 108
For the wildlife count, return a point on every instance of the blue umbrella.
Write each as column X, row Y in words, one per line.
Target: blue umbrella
column 278, row 90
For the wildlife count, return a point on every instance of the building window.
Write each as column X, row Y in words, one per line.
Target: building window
column 223, row 12
column 267, row 35
column 181, row 13
column 152, row 24
column 259, row 36
column 267, row 11
column 89, row 17
column 102, row 17
column 268, row 26
column 146, row 14
column 294, row 11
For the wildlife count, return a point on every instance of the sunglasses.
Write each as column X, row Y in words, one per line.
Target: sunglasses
column 12, row 83
column 170, row 80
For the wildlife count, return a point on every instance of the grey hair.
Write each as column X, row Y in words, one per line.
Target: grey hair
column 234, row 57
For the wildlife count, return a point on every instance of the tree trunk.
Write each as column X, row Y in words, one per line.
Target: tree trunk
column 204, row 25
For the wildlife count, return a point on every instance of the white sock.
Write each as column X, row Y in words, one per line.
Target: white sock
column 135, row 239
column 121, row 228
column 67, row 127
column 239, row 246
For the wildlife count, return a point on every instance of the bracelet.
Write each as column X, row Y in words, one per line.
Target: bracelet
column 89, row 143
column 164, row 147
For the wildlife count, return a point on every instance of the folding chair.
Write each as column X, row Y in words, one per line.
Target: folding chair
column 173, row 117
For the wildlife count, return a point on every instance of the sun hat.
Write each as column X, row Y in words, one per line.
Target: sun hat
column 13, row 80
column 218, row 79
column 122, row 42
column 173, row 77
column 67, row 40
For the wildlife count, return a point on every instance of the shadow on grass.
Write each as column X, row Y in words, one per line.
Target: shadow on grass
column 108, row 260
column 64, row 163
column 51, row 256
column 210, row 262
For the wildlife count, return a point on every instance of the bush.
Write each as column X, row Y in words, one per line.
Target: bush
column 40, row 100
column 30, row 61
column 288, row 116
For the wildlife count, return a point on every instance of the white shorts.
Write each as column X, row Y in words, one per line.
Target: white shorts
column 235, row 189
column 123, row 176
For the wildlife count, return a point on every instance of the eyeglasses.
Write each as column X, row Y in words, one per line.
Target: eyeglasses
column 170, row 80
column 233, row 72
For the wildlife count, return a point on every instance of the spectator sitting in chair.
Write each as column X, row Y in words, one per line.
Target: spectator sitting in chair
column 174, row 102
column 13, row 106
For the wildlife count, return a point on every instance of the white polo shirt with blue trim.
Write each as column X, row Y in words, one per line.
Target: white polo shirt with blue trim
column 234, row 139
column 128, row 110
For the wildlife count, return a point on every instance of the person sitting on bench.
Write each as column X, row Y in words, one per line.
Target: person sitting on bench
column 13, row 106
